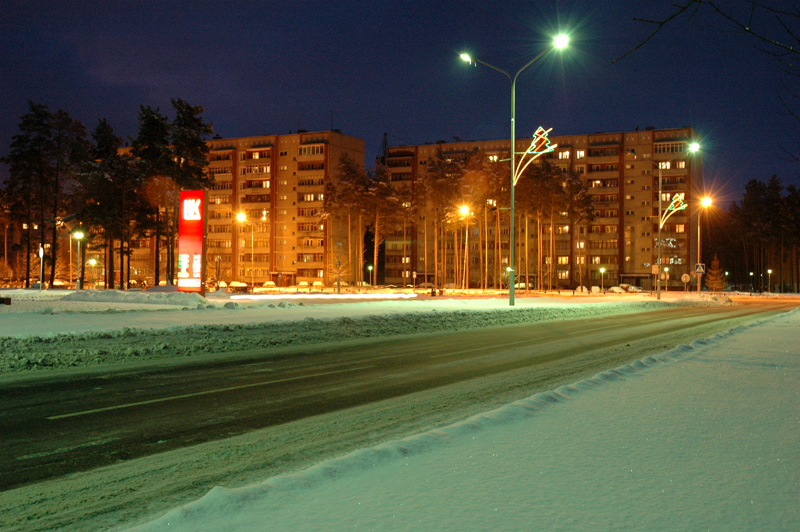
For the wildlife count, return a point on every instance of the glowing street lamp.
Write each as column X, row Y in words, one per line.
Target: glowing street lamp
column 560, row 42
column 769, row 281
column 602, row 279
column 370, row 275
column 705, row 202
column 78, row 235
column 666, row 278
column 93, row 263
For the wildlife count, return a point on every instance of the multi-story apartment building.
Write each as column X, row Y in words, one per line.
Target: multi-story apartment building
column 618, row 246
column 277, row 181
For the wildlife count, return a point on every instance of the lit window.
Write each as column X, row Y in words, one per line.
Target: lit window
column 664, row 165
column 563, row 155
column 580, row 154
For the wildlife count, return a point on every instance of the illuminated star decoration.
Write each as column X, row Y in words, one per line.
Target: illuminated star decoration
column 539, row 146
column 677, row 204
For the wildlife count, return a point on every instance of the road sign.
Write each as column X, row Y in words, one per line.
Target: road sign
column 700, row 268
column 685, row 278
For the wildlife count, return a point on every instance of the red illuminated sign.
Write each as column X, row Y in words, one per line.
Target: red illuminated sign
column 191, row 241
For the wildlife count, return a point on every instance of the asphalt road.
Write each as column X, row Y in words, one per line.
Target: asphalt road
column 49, row 429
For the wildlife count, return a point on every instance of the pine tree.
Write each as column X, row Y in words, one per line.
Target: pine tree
column 715, row 277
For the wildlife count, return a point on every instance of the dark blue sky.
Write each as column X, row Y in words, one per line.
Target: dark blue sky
column 373, row 67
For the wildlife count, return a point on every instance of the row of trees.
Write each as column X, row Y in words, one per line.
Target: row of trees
column 61, row 179
column 454, row 193
column 758, row 234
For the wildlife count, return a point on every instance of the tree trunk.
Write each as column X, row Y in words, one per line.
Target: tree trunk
column 111, row 283
column 425, row 233
column 158, row 247
column 376, row 247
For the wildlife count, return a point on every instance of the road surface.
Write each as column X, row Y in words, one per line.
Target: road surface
column 312, row 404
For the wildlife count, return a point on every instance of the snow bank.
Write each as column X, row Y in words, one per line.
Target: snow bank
column 127, row 327
column 701, row 437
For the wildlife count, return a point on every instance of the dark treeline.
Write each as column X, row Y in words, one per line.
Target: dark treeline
column 758, row 234
column 63, row 179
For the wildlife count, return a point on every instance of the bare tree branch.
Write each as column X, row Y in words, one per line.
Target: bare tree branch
column 695, row 5
column 659, row 26
column 747, row 29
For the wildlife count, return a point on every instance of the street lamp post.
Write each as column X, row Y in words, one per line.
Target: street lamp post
column 559, row 43
column 693, row 147
column 769, row 281
column 78, row 235
column 370, row 275
column 41, row 266
column 705, row 203
column 666, row 279
column 93, row 263
column 602, row 279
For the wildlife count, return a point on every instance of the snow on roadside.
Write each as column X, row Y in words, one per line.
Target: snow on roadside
column 162, row 326
column 701, row 437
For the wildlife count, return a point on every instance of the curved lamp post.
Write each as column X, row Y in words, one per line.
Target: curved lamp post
column 559, row 43
column 663, row 215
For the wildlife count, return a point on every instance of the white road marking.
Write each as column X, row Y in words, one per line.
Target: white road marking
column 66, row 449
column 196, row 394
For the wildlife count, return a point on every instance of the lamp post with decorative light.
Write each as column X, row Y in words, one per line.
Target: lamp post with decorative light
column 559, row 43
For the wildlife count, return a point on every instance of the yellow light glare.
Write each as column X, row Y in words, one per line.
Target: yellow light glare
column 466, row 57
column 561, row 41
column 694, row 147
column 77, row 235
column 464, row 210
column 705, row 202
column 241, row 217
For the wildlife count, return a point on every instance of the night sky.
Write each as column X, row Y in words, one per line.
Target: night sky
column 369, row 68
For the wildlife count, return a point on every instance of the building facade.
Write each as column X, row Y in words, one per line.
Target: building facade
column 277, row 181
column 618, row 246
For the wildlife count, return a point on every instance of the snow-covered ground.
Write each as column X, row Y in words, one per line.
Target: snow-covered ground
column 703, row 437
column 47, row 330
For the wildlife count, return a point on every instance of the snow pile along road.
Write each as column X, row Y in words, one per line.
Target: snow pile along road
column 704, row 437
column 161, row 326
